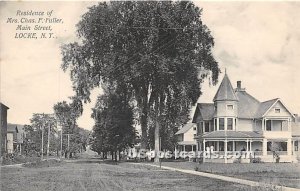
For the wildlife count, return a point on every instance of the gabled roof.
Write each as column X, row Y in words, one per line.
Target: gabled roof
column 233, row 134
column 264, row 107
column 205, row 110
column 247, row 105
column 225, row 91
column 2, row 105
column 185, row 128
column 15, row 128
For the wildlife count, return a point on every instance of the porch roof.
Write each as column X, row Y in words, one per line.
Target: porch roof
column 187, row 143
column 233, row 134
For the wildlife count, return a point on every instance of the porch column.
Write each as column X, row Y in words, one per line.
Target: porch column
column 204, row 149
column 233, row 145
column 225, row 150
column 289, row 147
column 184, row 151
column 293, row 147
column 218, row 144
column 247, row 147
column 250, row 145
column 264, row 149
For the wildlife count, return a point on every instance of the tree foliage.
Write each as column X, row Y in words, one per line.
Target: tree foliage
column 33, row 141
column 113, row 130
column 161, row 50
column 67, row 115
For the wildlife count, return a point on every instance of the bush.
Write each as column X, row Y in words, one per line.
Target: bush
column 256, row 160
column 238, row 160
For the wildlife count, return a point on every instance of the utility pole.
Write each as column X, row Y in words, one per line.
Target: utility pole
column 68, row 145
column 42, row 143
column 61, row 143
column 48, row 143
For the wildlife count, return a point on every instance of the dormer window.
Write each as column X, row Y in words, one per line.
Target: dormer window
column 229, row 107
column 277, row 110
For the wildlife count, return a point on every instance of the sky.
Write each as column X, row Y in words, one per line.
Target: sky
column 257, row 42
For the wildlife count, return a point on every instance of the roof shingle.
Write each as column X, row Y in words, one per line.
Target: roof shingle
column 264, row 106
column 225, row 91
column 185, row 128
column 247, row 105
column 233, row 134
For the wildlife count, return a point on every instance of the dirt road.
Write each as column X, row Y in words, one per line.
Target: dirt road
column 96, row 175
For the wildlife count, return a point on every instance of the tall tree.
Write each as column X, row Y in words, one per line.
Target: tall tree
column 38, row 132
column 160, row 49
column 113, row 130
column 67, row 114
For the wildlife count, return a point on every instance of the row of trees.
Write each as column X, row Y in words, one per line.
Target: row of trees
column 44, row 136
column 160, row 51
column 114, row 117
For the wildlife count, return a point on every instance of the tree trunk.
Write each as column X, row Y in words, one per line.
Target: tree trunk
column 157, row 142
column 144, row 138
column 156, row 134
column 143, row 115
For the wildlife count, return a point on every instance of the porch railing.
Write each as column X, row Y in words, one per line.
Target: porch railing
column 277, row 152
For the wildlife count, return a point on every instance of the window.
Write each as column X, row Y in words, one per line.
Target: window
column 195, row 135
column 206, row 126
column 229, row 123
column 277, row 146
column 200, row 129
column 216, row 124
column 195, row 128
column 269, row 146
column 229, row 146
column 277, row 110
column 221, row 146
column 229, row 107
column 268, row 125
column 296, row 145
column 221, row 123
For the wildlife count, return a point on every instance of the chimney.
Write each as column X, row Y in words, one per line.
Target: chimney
column 239, row 85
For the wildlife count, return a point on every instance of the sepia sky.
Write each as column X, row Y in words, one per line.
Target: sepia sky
column 258, row 43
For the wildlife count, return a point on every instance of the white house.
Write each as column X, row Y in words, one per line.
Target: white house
column 15, row 138
column 186, row 137
column 236, row 121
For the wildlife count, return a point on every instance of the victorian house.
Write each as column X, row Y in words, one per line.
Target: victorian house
column 236, row 121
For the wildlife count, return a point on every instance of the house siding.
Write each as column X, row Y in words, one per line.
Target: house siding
column 189, row 135
column 10, row 142
column 283, row 111
column 223, row 111
column 3, row 127
column 245, row 125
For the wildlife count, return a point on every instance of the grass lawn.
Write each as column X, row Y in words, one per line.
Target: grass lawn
column 83, row 175
column 286, row 174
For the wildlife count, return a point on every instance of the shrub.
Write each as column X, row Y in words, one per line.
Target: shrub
column 256, row 160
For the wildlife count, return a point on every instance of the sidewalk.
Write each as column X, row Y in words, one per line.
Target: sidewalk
column 224, row 178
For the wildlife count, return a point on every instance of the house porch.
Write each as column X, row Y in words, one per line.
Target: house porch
column 248, row 149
